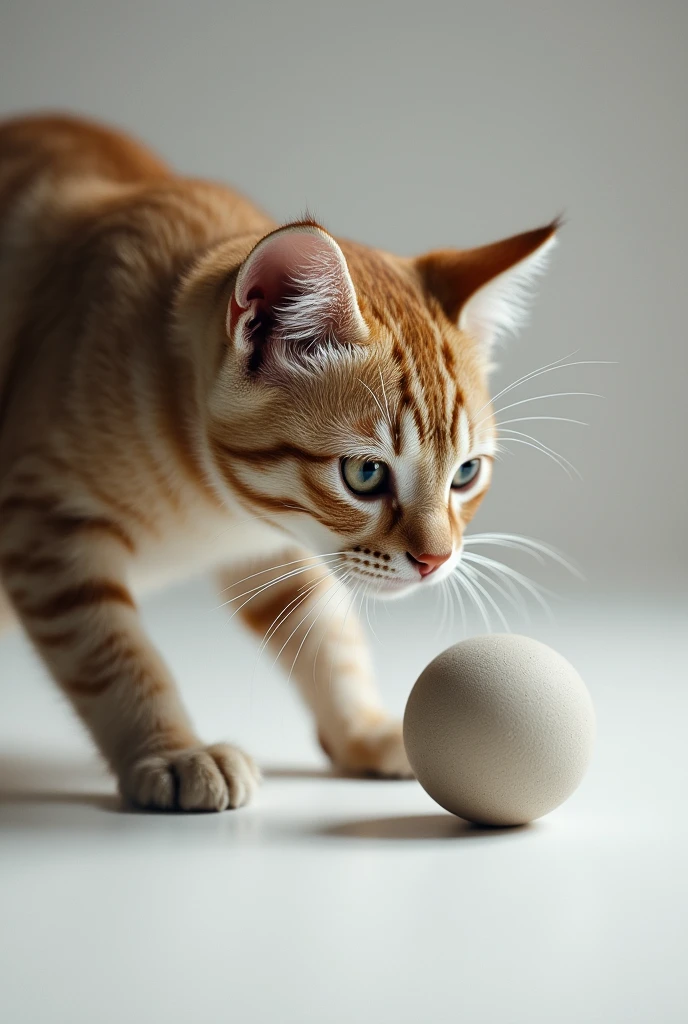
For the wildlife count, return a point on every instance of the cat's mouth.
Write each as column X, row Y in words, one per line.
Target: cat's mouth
column 382, row 586
column 378, row 575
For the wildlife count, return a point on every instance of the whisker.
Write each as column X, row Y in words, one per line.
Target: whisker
column 367, row 611
column 384, row 395
column 324, row 633
column 255, row 591
column 538, row 398
column 468, row 571
column 298, row 625
column 280, row 619
column 473, row 593
column 528, row 419
column 533, row 442
column 512, row 595
column 535, row 589
column 285, row 612
column 377, row 402
column 278, row 579
column 456, row 584
column 441, row 598
column 527, row 376
column 341, row 632
column 558, row 364
column 530, row 545
column 282, row 565
column 335, row 588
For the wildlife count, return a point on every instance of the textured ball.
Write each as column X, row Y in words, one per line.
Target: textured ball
column 499, row 729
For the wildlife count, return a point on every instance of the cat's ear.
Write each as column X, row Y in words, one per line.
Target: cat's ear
column 294, row 299
column 485, row 291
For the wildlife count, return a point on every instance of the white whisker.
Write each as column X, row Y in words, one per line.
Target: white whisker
column 300, row 623
column 384, row 395
column 281, row 618
column 536, row 548
column 343, row 588
column 287, row 611
column 538, row 398
column 456, row 590
column 533, row 442
column 535, row 589
column 255, row 591
column 441, row 598
column 271, row 568
column 468, row 571
column 367, row 611
column 333, row 590
column 512, row 595
column 473, row 593
column 558, row 364
column 341, row 632
column 528, row 419
column 377, row 401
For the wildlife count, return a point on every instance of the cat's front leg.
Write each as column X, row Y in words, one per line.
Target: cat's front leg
column 307, row 620
column 65, row 578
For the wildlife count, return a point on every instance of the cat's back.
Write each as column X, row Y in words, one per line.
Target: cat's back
column 43, row 160
column 83, row 206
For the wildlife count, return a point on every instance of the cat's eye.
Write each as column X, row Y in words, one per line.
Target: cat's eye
column 465, row 474
column 365, row 476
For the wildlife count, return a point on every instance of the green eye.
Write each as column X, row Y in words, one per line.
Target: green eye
column 466, row 474
column 365, row 476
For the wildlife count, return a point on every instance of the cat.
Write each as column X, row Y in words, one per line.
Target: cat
column 187, row 385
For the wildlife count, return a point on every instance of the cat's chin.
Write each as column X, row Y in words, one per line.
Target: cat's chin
column 389, row 590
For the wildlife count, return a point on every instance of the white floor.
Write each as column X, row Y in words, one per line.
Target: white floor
column 335, row 900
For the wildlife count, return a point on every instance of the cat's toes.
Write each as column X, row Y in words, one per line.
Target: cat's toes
column 376, row 748
column 201, row 779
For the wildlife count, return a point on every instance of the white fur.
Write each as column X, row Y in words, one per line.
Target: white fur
column 322, row 318
column 501, row 306
column 324, row 292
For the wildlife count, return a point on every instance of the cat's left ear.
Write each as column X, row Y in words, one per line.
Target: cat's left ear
column 484, row 291
column 294, row 298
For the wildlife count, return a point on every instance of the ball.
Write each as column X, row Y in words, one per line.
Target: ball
column 499, row 729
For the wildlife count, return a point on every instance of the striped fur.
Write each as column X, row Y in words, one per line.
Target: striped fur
column 165, row 407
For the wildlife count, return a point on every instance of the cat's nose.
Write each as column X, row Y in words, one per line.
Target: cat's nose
column 428, row 563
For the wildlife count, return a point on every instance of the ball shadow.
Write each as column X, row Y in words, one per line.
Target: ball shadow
column 418, row 827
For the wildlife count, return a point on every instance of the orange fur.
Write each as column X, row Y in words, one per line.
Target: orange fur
column 179, row 382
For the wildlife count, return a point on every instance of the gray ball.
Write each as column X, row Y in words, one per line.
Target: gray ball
column 499, row 729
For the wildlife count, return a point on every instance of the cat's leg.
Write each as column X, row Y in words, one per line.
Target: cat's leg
column 307, row 621
column 65, row 577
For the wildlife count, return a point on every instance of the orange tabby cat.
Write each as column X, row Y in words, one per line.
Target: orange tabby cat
column 183, row 384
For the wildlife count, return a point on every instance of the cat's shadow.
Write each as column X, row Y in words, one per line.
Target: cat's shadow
column 33, row 781
column 30, row 785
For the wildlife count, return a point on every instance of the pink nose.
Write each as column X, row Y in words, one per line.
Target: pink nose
column 428, row 563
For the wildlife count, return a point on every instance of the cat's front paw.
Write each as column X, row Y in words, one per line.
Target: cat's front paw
column 374, row 747
column 200, row 779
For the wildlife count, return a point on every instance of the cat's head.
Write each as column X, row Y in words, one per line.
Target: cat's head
column 352, row 406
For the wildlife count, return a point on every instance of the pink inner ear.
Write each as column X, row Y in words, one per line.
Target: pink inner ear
column 274, row 266
column 295, row 288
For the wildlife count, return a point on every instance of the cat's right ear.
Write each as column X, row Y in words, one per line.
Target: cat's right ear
column 294, row 299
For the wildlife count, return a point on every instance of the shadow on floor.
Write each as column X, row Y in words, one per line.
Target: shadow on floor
column 417, row 826
column 33, row 779
column 296, row 772
column 324, row 772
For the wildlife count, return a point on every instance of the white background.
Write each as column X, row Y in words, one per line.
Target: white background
column 408, row 126
column 413, row 126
